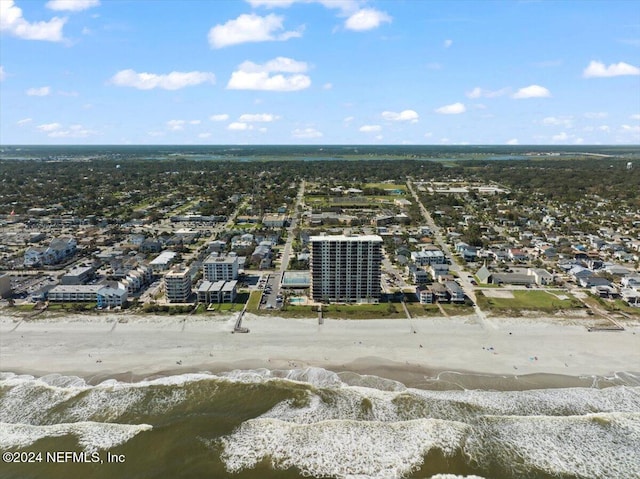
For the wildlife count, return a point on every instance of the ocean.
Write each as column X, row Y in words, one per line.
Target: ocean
column 321, row 424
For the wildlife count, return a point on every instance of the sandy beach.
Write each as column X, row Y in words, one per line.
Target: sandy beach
column 128, row 346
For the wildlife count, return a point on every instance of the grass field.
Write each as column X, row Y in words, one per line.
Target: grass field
column 527, row 301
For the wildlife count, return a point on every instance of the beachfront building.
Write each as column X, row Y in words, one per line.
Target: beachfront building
column 346, row 269
column 177, row 285
column 59, row 249
column 163, row 261
column 103, row 295
column 218, row 292
column 220, row 268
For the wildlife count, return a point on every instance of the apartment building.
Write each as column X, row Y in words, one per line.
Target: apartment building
column 220, row 268
column 177, row 285
column 346, row 269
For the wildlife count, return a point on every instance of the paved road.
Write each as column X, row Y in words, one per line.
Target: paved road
column 464, row 280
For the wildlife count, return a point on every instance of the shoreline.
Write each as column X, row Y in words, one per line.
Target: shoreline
column 433, row 353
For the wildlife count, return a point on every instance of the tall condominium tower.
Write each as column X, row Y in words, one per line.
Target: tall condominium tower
column 346, row 269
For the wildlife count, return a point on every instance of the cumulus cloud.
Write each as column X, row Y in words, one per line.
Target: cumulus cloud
column 327, row 86
column 49, row 127
column 565, row 121
column 24, row 121
column 596, row 114
column 513, row 141
column 453, row 109
column 251, row 76
column 370, row 128
column 74, row 131
column 72, row 5
column 259, row 117
column 306, row 133
column 170, row 81
column 405, row 115
column 219, row 117
column 12, row 22
column 239, row 126
column 204, row 135
column 3, row 75
column 532, row 91
column 176, row 125
column 635, row 116
column 560, row 137
column 250, row 28
column 598, row 69
column 366, row 19
column 478, row 92
column 42, row 91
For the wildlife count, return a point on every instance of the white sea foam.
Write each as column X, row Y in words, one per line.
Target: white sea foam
column 92, row 436
column 454, row 476
column 341, row 448
column 597, row 446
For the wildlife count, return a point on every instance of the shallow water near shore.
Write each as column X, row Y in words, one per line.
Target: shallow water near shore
column 293, row 423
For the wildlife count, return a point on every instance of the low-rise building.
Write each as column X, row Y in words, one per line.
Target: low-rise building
column 217, row 292
column 163, row 261
column 78, row 275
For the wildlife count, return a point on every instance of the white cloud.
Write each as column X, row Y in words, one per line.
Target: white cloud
column 370, row 128
column 176, row 125
column 560, row 137
column 49, row 127
column 24, row 121
column 598, row 69
column 260, row 117
column 478, row 92
column 453, row 109
column 565, row 121
column 239, row 126
column 11, row 21
column 635, row 116
column 219, row 117
column 204, row 135
column 3, row 75
column 513, row 141
column 251, row 76
column 604, row 128
column 532, row 91
column 327, row 86
column 366, row 19
column 72, row 5
column 42, row 91
column 306, row 133
column 349, row 119
column 171, row 81
column 595, row 115
column 194, row 122
column 249, row 28
column 405, row 115
column 434, row 66
column 74, row 131
column 448, row 43
column 631, row 128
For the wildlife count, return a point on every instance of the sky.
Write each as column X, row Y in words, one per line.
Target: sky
column 319, row 72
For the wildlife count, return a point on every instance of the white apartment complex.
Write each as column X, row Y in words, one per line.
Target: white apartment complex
column 346, row 269
column 220, row 268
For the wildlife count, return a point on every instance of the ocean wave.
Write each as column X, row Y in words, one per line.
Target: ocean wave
column 341, row 449
column 595, row 446
column 91, row 436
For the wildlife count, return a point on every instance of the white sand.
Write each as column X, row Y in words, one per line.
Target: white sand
column 115, row 345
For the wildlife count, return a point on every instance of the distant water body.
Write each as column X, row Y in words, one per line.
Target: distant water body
column 317, row 423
